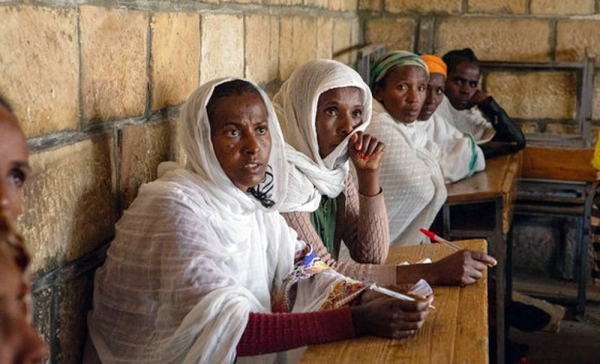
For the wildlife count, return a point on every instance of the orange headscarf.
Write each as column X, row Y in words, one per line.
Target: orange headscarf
column 435, row 64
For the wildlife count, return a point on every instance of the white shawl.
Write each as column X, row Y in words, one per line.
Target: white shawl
column 192, row 257
column 460, row 155
column 470, row 121
column 410, row 175
column 296, row 107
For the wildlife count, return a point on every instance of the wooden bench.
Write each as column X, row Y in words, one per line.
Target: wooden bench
column 558, row 182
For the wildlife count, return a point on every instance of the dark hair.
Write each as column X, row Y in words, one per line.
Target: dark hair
column 457, row 56
column 4, row 102
column 262, row 192
column 226, row 89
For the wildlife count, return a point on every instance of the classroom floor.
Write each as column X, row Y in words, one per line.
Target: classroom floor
column 578, row 340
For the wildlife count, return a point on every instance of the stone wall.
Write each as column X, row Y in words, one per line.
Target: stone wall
column 502, row 30
column 98, row 87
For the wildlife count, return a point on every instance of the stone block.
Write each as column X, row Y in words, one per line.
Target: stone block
column 497, row 6
column 298, row 43
column 324, row 37
column 561, row 7
column 114, row 58
column 175, row 58
column 335, row 4
column 576, row 39
column 43, row 308
column 596, row 104
column 75, row 300
column 70, row 203
column 349, row 5
column 342, row 29
column 142, row 148
column 530, row 127
column 499, row 39
column 534, row 95
column 373, row 5
column 242, row 1
column 396, row 34
column 356, row 40
column 426, row 32
column 560, row 128
column 432, row 6
column 285, row 2
column 262, row 48
column 222, row 46
column 316, row 3
column 39, row 67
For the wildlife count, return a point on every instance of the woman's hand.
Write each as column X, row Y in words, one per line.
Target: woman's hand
column 461, row 268
column 365, row 151
column 390, row 317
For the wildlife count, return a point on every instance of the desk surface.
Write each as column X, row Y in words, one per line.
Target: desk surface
column 496, row 180
column 456, row 332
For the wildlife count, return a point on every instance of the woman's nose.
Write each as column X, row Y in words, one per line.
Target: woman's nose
column 251, row 145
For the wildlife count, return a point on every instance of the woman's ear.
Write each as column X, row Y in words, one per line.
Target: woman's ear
column 378, row 93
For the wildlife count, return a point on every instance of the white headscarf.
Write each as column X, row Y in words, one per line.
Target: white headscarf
column 296, row 105
column 470, row 121
column 192, row 257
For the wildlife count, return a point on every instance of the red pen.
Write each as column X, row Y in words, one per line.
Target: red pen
column 439, row 239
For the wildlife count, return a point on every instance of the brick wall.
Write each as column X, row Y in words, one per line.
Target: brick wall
column 98, row 87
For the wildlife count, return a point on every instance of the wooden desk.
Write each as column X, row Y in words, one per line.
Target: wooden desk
column 482, row 207
column 455, row 332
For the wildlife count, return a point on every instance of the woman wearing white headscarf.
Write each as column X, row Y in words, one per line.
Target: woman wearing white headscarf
column 410, row 174
column 202, row 257
column 323, row 108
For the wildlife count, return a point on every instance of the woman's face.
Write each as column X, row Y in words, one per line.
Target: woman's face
column 19, row 342
column 241, row 138
column 14, row 164
column 339, row 112
column 461, row 84
column 403, row 92
column 435, row 95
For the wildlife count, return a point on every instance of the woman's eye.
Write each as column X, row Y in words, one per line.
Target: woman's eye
column 233, row 133
column 357, row 113
column 473, row 84
column 18, row 177
column 332, row 111
column 262, row 130
column 402, row 87
column 422, row 88
column 439, row 91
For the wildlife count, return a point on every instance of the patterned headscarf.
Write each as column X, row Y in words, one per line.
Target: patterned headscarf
column 435, row 64
column 391, row 60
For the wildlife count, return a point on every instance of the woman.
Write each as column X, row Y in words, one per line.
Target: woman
column 14, row 162
column 472, row 111
column 460, row 155
column 202, row 256
column 323, row 108
column 19, row 342
column 410, row 176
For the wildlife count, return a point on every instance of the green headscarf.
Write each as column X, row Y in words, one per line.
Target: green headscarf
column 391, row 60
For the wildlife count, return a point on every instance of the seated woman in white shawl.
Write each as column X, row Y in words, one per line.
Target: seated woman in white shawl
column 323, row 108
column 460, row 156
column 411, row 177
column 202, row 257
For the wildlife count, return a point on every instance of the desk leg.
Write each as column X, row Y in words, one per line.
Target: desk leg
column 498, row 248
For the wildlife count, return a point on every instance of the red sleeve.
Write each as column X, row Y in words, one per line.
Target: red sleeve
column 272, row 332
